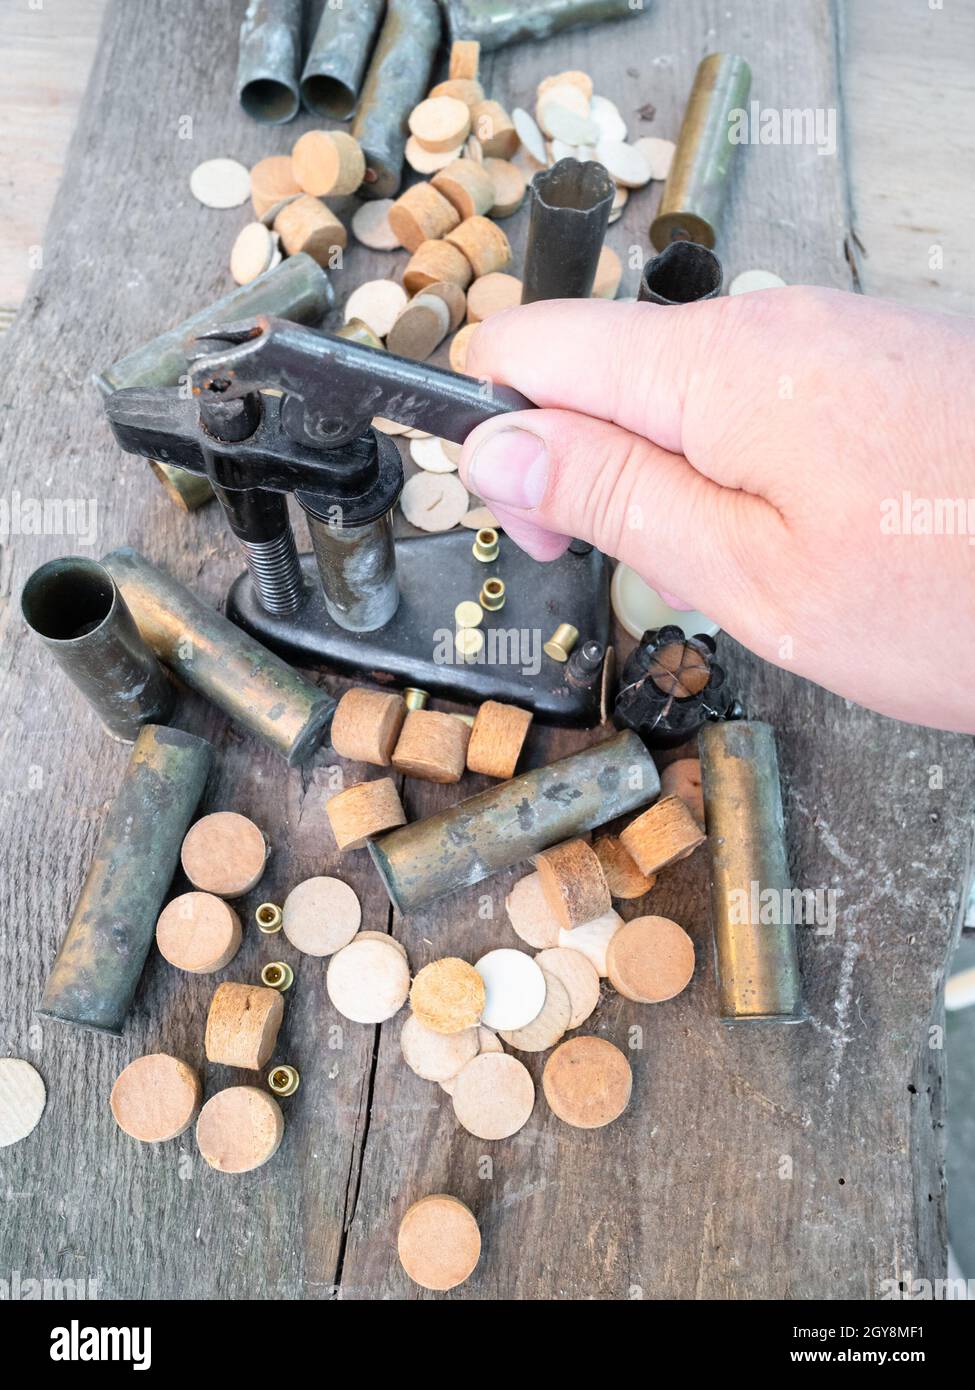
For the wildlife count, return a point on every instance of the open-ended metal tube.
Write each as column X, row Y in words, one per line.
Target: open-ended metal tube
column 74, row 607
column 97, row 969
column 514, row 820
column 270, row 58
column 496, row 23
column 255, row 688
column 751, row 891
column 397, row 80
column 357, row 565
column 694, row 194
column 683, row 273
column 338, row 55
column 569, row 213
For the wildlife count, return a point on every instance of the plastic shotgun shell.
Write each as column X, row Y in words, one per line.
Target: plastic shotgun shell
column 683, row 273
column 496, row 23
column 255, row 688
column 338, row 55
column 693, row 197
column 569, row 213
column 397, row 80
column 270, row 56
column 514, row 820
column 101, row 957
column 74, row 607
column 757, row 964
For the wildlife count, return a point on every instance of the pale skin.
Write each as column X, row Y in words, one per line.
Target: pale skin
column 739, row 455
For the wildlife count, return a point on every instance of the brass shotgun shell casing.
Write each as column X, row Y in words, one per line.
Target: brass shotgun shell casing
column 757, row 962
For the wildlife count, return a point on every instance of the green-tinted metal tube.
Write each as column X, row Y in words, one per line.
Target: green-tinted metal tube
column 496, row 23
column 269, row 61
column 74, row 607
column 514, row 820
column 337, row 59
column 694, row 194
column 757, row 962
column 98, row 966
column 397, row 80
column 298, row 289
column 255, row 688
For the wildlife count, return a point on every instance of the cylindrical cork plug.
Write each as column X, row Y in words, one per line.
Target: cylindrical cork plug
column 364, row 810
column 242, row 1025
column 432, row 746
column 367, row 724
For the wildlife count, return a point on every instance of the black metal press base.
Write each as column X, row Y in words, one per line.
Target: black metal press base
column 417, row 646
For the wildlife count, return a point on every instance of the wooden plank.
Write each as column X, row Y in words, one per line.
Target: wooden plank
column 686, row 1195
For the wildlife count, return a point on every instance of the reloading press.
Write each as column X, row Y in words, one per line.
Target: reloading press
column 276, row 408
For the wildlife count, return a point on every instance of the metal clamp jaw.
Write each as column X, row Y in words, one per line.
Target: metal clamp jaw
column 277, row 408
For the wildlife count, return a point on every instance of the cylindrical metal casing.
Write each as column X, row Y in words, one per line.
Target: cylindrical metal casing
column 496, row 23
column 270, row 59
column 255, row 688
column 298, row 289
column 397, row 80
column 683, row 273
column 569, row 213
column 74, row 607
column 514, row 820
column 690, row 209
column 757, row 963
column 357, row 565
column 98, row 966
column 337, row 59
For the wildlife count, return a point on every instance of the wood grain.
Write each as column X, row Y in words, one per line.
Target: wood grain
column 799, row 1162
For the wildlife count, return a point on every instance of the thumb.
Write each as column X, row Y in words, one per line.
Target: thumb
column 552, row 474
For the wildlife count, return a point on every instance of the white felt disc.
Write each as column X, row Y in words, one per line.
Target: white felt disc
column 514, row 986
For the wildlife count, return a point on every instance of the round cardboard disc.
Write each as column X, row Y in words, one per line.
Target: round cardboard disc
column 239, row 1129
column 486, row 1042
column 530, row 915
column 493, row 1096
column 650, row 959
column 593, row 938
column 434, row 501
column 368, row 981
column 22, row 1099
column 321, row 916
column 198, row 932
column 436, row 1056
column 550, row 1025
column 579, row 976
column 514, row 988
column 220, row 183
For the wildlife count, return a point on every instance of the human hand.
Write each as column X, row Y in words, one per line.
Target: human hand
column 751, row 455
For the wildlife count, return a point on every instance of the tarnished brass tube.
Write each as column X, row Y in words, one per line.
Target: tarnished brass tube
column 514, row 820
column 757, row 963
column 94, row 977
column 255, row 688
column 496, row 23
column 337, row 59
column 397, row 80
column 693, row 197
column 74, row 607
column 270, row 57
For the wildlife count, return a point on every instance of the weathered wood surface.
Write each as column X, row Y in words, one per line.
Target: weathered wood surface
column 759, row 1162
